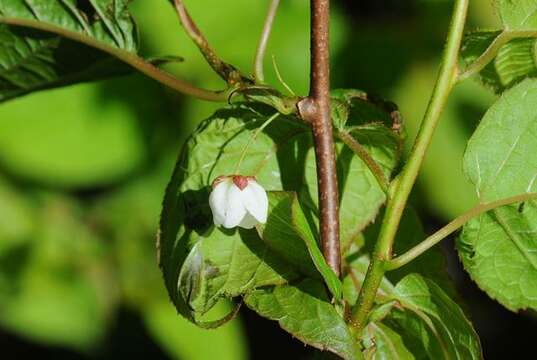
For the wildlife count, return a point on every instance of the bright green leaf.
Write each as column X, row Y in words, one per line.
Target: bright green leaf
column 498, row 249
column 304, row 311
column 518, row 14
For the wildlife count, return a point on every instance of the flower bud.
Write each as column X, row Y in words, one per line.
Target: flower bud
column 238, row 201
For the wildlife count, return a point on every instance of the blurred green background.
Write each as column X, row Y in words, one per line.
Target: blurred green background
column 83, row 170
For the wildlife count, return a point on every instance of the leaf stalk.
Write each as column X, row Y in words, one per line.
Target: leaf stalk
column 404, row 183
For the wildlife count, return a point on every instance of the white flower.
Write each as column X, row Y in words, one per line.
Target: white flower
column 238, row 201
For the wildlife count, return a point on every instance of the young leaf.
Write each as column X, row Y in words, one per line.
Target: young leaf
column 431, row 322
column 498, row 249
column 305, row 312
column 294, row 241
column 35, row 53
column 512, row 62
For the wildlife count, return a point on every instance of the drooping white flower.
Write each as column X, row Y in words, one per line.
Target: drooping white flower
column 238, row 201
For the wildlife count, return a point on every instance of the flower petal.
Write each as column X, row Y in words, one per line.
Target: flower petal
column 255, row 200
column 235, row 210
column 248, row 222
column 218, row 201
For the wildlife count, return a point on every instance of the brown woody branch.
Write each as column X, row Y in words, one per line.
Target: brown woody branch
column 315, row 109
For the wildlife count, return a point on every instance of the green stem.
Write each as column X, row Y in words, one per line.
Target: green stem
column 125, row 56
column 259, row 75
column 252, row 139
column 491, row 52
column 451, row 228
column 402, row 185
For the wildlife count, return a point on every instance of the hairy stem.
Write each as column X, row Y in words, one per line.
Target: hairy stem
column 129, row 58
column 403, row 184
column 315, row 109
column 450, row 228
column 259, row 75
column 226, row 71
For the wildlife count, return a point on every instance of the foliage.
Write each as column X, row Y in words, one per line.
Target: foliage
column 83, row 259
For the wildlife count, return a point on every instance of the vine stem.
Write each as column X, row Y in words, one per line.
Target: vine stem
column 450, row 228
column 315, row 109
column 129, row 58
column 403, row 184
column 259, row 75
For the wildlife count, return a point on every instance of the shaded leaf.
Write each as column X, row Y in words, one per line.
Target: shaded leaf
column 227, row 265
column 288, row 233
column 229, row 142
column 385, row 344
column 305, row 312
column 430, row 322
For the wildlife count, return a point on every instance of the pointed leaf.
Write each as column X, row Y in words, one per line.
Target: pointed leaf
column 305, row 312
column 499, row 249
column 433, row 323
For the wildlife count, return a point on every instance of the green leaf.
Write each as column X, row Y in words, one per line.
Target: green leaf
column 227, row 265
column 518, row 14
column 294, row 241
column 430, row 322
column 496, row 159
column 283, row 236
column 305, row 312
column 498, row 249
column 104, row 21
column 35, row 52
column 385, row 344
column 303, row 228
column 279, row 158
column 513, row 62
